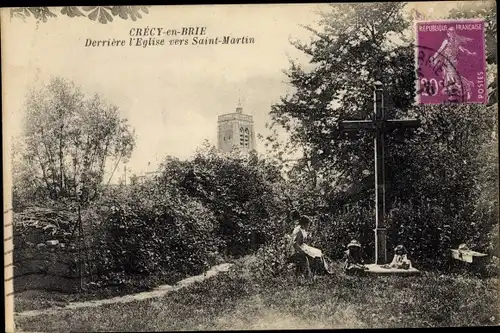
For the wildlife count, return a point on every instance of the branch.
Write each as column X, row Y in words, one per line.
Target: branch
column 49, row 155
column 44, row 173
column 317, row 34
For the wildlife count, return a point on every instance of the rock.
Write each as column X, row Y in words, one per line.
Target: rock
column 52, row 242
column 40, row 246
column 62, row 245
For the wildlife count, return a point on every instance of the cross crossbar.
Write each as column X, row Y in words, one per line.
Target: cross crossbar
column 381, row 125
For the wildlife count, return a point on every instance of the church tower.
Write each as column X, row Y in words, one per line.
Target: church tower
column 235, row 130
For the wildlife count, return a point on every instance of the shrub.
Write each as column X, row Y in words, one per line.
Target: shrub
column 147, row 232
column 335, row 231
column 239, row 190
column 268, row 260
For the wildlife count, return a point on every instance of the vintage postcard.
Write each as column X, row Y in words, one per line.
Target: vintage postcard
column 271, row 166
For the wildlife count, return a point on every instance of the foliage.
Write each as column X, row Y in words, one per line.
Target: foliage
column 487, row 11
column 240, row 190
column 438, row 172
column 38, row 224
column 145, row 231
column 140, row 235
column 433, row 183
column 67, row 143
column 267, row 262
column 348, row 58
column 103, row 14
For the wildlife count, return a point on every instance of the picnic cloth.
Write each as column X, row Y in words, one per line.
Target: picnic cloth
column 311, row 251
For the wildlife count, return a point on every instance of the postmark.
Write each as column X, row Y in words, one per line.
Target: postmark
column 450, row 62
column 428, row 74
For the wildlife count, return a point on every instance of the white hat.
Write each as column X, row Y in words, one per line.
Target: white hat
column 353, row 243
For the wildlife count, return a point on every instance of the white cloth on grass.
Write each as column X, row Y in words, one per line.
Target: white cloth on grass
column 311, row 251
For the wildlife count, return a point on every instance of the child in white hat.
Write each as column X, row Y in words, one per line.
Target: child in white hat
column 353, row 259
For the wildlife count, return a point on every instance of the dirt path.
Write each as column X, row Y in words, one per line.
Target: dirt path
column 157, row 292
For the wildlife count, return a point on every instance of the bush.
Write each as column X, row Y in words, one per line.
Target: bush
column 147, row 233
column 335, row 231
column 240, row 190
column 268, row 261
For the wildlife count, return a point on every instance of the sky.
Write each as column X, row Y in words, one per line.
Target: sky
column 171, row 95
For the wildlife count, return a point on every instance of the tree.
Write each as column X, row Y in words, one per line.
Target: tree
column 432, row 173
column 103, row 14
column 486, row 11
column 69, row 140
column 348, row 57
column 134, row 179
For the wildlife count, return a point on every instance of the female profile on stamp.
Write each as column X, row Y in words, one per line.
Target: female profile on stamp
column 451, row 47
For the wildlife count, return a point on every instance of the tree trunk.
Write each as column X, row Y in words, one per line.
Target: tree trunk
column 80, row 246
column 61, row 162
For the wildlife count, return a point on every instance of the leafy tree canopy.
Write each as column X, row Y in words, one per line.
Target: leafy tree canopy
column 68, row 141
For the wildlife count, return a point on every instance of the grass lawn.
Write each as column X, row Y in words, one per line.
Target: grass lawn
column 235, row 300
column 35, row 292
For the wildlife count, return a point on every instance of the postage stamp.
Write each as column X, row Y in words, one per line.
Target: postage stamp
column 451, row 62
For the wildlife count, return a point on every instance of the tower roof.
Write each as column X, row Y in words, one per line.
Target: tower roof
column 239, row 108
column 236, row 115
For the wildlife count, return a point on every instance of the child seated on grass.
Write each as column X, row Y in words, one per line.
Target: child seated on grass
column 400, row 260
column 353, row 260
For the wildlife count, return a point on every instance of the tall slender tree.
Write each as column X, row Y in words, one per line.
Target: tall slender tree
column 69, row 140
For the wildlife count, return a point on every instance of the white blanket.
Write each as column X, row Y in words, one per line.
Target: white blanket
column 311, row 251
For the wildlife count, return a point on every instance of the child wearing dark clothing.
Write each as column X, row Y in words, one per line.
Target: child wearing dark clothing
column 353, row 259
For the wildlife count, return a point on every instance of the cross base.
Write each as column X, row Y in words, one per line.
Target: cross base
column 374, row 269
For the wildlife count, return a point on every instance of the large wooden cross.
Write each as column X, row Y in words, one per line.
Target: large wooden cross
column 379, row 125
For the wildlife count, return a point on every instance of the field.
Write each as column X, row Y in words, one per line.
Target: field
column 238, row 300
